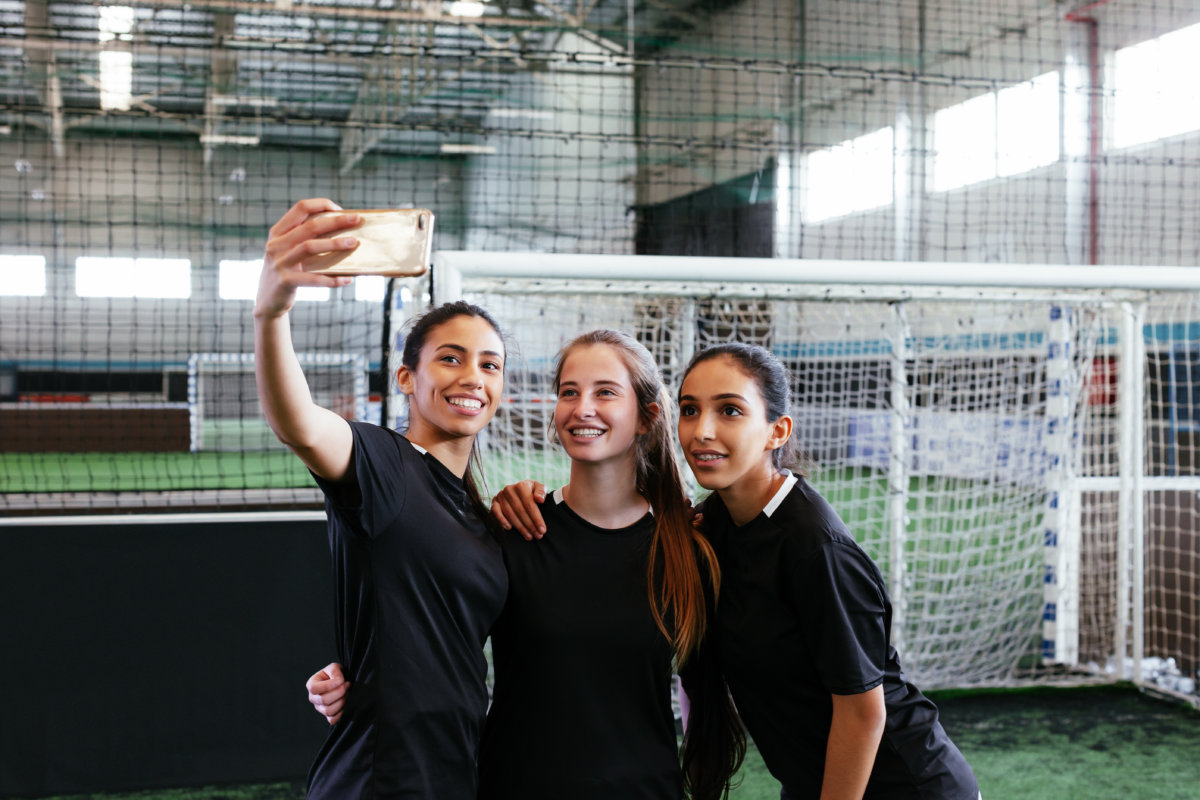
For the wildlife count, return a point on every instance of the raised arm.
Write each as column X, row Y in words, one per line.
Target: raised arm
column 321, row 438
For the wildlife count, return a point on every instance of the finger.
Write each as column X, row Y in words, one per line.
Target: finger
column 320, row 228
column 533, row 512
column 337, row 695
column 335, row 708
column 290, row 252
column 319, row 675
column 499, row 516
column 334, row 670
column 301, row 211
column 521, row 520
column 334, row 719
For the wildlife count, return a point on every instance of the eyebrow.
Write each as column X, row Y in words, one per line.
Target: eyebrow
column 458, row 348
column 726, row 396
column 603, row 381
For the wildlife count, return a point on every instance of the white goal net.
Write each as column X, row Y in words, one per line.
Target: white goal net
column 223, row 407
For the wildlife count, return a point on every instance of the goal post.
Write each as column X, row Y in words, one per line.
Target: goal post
column 223, row 407
column 952, row 414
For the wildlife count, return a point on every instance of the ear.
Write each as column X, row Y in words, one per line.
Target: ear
column 651, row 416
column 781, row 431
column 404, row 380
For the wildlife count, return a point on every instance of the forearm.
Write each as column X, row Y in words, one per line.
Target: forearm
column 318, row 436
column 854, row 737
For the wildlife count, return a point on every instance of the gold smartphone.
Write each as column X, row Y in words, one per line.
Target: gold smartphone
column 396, row 243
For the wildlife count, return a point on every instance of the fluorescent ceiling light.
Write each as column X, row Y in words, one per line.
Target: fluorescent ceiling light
column 465, row 8
column 473, row 149
column 225, row 138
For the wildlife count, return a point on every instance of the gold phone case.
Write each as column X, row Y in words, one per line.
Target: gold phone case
column 396, row 243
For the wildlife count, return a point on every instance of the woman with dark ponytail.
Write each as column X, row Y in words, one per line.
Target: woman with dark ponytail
column 803, row 627
column 419, row 580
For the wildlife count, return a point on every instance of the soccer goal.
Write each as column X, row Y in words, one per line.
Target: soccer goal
column 223, row 407
column 1013, row 445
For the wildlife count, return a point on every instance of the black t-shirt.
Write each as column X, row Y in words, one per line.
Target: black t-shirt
column 419, row 583
column 804, row 615
column 582, row 702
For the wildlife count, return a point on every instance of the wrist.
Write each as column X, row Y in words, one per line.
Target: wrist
column 267, row 314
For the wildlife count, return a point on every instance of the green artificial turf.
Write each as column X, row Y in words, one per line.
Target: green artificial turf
column 1108, row 743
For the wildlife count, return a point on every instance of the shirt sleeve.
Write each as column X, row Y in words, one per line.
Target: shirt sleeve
column 376, row 495
column 842, row 607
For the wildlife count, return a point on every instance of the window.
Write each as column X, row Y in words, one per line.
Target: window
column 238, row 280
column 116, row 66
column 372, row 288
column 133, row 277
column 855, row 175
column 1154, row 88
column 22, row 276
column 997, row 134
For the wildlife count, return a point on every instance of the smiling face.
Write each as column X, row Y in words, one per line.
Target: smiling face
column 456, row 387
column 723, row 426
column 596, row 417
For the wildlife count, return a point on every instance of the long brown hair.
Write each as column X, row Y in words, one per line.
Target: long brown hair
column 677, row 587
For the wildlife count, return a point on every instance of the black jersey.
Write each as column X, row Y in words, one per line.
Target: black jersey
column 804, row 615
column 419, row 583
column 582, row 702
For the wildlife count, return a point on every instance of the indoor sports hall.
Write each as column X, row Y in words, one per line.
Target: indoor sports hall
column 970, row 229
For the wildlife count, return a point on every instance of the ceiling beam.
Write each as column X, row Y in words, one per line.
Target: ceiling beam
column 223, row 66
column 43, row 74
column 367, row 14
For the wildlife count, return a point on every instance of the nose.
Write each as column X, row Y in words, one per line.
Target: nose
column 586, row 407
column 703, row 428
column 472, row 375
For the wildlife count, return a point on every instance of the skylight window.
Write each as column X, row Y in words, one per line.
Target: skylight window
column 855, row 175
column 116, row 66
column 133, row 277
column 22, row 276
column 997, row 134
column 1154, row 88
column 238, row 280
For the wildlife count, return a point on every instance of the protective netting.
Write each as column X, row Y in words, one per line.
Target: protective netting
column 151, row 145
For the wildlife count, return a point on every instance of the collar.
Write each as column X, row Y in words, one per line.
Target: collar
column 418, row 447
column 777, row 500
column 557, row 496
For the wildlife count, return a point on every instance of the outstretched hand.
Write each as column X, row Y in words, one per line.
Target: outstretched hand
column 299, row 234
column 327, row 692
column 516, row 507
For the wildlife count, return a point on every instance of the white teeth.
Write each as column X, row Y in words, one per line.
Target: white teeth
column 587, row 432
column 708, row 457
column 466, row 402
